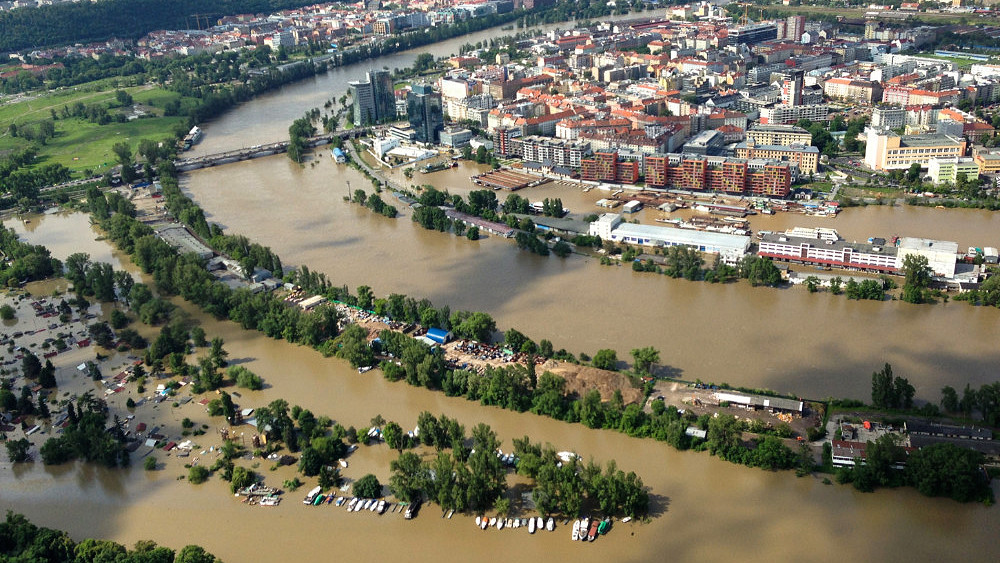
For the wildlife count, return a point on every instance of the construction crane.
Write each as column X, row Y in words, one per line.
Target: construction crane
column 197, row 20
column 745, row 18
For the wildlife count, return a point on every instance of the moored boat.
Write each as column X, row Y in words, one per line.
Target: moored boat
column 531, row 525
column 412, row 509
column 576, row 530
column 584, row 526
column 551, row 524
column 592, row 533
column 627, row 519
column 501, row 523
column 485, row 523
column 604, row 526
column 517, row 522
column 381, row 506
column 478, row 520
column 450, row 513
column 493, row 521
column 539, row 523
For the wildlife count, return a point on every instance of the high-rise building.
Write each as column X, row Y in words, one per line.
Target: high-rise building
column 363, row 99
column 374, row 99
column 795, row 26
column 791, row 89
column 423, row 108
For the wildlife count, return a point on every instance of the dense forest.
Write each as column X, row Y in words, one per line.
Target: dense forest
column 67, row 23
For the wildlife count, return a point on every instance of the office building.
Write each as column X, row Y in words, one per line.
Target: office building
column 885, row 150
column 947, row 170
column 423, row 108
column 779, row 135
column 374, row 100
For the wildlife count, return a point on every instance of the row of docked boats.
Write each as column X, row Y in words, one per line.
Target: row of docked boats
column 587, row 529
column 531, row 524
column 357, row 504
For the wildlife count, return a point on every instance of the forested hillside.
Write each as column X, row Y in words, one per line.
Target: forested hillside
column 67, row 23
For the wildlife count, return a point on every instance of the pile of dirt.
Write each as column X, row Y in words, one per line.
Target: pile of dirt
column 581, row 379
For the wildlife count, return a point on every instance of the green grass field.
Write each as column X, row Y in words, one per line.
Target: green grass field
column 79, row 144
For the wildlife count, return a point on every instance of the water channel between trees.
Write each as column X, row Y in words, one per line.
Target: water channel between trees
column 704, row 509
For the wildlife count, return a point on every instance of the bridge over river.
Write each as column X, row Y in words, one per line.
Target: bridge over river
column 257, row 151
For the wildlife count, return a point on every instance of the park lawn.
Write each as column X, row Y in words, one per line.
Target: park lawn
column 38, row 109
column 822, row 187
column 864, row 190
column 961, row 62
column 156, row 98
column 81, row 145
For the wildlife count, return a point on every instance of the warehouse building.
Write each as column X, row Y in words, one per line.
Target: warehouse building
column 730, row 248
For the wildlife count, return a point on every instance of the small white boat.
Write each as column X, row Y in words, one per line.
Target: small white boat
column 510, row 523
column 485, row 523
column 374, row 506
column 531, row 525
column 517, row 522
column 551, row 524
column 478, row 520
column 500, row 523
column 381, row 506
column 576, row 530
column 450, row 513
column 539, row 523
column 353, row 501
column 493, row 521
column 343, row 463
column 627, row 519
column 584, row 525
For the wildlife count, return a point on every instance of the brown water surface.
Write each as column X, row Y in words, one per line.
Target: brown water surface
column 704, row 509
column 816, row 345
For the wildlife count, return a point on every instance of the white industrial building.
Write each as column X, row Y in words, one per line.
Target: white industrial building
column 941, row 254
column 730, row 248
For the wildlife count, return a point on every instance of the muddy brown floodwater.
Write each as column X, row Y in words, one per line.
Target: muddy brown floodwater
column 817, row 345
column 704, row 509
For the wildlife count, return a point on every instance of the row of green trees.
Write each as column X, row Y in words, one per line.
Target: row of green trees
column 943, row 469
column 374, row 202
column 685, row 262
column 20, row 540
column 475, row 479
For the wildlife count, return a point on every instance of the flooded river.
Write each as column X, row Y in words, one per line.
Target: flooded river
column 817, row 345
column 704, row 509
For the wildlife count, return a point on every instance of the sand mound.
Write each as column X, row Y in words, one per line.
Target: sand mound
column 581, row 379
